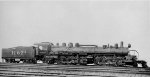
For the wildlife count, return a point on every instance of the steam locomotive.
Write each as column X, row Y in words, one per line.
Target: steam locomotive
column 78, row 54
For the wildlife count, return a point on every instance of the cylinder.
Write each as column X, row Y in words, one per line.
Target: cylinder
column 121, row 44
column 64, row 44
column 70, row 45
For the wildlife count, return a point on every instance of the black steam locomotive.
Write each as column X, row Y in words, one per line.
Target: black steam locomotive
column 107, row 55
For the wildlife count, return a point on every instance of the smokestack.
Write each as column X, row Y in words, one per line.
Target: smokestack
column 121, row 44
column 116, row 45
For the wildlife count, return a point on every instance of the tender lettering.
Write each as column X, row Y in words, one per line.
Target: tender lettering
column 18, row 52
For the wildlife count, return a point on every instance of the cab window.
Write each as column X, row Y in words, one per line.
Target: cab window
column 43, row 47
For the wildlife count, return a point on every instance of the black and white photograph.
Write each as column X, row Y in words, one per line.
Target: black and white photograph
column 74, row 38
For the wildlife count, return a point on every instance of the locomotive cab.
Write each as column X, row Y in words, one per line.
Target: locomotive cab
column 42, row 49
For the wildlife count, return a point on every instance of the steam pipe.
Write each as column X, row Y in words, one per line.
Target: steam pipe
column 89, row 45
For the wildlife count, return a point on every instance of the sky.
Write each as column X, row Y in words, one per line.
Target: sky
column 23, row 23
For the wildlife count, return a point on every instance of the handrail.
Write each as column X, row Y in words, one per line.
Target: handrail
column 89, row 45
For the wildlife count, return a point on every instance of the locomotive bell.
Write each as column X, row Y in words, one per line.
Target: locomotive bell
column 129, row 45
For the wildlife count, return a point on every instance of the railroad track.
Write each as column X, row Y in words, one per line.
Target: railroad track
column 45, row 70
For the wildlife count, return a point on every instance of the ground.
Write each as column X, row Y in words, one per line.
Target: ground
column 45, row 70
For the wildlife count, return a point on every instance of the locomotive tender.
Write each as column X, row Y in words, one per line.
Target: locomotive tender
column 77, row 54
